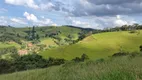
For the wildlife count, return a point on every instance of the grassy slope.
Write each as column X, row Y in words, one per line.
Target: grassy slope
column 121, row 68
column 99, row 46
column 5, row 45
column 65, row 31
column 48, row 41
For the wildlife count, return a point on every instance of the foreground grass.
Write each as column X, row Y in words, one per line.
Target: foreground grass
column 99, row 46
column 121, row 68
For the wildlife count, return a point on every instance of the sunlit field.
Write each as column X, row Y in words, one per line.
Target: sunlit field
column 99, row 45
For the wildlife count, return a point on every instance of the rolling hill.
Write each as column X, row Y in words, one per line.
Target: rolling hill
column 96, row 46
column 47, row 36
column 43, row 32
column 64, row 31
column 120, row 68
column 15, row 35
column 99, row 45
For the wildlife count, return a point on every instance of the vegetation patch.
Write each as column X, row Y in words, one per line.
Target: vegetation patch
column 98, row 46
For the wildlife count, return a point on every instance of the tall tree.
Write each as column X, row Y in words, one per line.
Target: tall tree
column 33, row 33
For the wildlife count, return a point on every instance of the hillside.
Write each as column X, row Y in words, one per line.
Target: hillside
column 38, row 38
column 121, row 68
column 99, row 45
column 59, row 33
column 64, row 31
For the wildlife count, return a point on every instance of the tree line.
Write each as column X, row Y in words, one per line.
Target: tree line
column 32, row 61
column 124, row 28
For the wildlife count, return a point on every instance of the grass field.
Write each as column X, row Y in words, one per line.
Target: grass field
column 99, row 46
column 121, row 68
column 47, row 41
column 5, row 45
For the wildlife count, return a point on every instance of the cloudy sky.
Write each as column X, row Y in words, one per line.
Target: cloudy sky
column 84, row 13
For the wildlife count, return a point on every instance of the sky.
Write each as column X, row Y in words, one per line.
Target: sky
column 97, row 14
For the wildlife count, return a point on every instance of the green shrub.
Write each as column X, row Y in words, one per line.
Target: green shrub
column 31, row 61
column 27, row 62
column 82, row 59
column 52, row 61
column 133, row 31
column 120, row 54
column 11, row 50
column 141, row 48
column 5, row 66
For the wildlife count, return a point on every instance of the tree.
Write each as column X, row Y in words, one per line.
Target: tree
column 31, row 61
column 33, row 33
column 120, row 54
column 77, row 59
column 52, row 61
column 141, row 48
column 70, row 37
column 84, row 57
column 37, row 37
column 5, row 66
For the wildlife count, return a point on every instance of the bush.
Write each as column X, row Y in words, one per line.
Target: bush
column 52, row 61
column 29, row 62
column 133, row 31
column 82, row 59
column 5, row 66
column 77, row 59
column 141, row 48
column 11, row 50
column 120, row 54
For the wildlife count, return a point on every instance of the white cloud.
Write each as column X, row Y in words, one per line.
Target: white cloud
column 118, row 16
column 30, row 17
column 3, row 20
column 40, row 22
column 79, row 23
column 32, row 4
column 101, row 22
column 28, row 3
column 54, row 24
column 48, row 6
column 19, row 21
column 44, row 22
column 120, row 22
